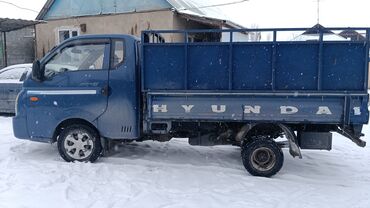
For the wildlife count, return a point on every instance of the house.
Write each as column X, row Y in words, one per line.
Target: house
column 313, row 34
column 16, row 41
column 69, row 18
column 352, row 35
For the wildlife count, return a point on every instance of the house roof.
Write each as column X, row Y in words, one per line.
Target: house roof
column 313, row 34
column 45, row 9
column 197, row 10
column 200, row 8
column 7, row 25
column 201, row 11
column 316, row 29
column 60, row 9
column 209, row 20
column 353, row 35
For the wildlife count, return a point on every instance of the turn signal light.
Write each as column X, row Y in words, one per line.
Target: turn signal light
column 34, row 99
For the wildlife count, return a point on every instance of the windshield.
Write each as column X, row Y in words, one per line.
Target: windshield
column 79, row 57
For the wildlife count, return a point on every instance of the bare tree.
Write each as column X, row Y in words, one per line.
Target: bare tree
column 254, row 36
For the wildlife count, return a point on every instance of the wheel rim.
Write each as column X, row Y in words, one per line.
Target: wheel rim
column 263, row 159
column 79, row 145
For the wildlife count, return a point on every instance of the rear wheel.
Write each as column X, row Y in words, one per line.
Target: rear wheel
column 262, row 157
column 79, row 143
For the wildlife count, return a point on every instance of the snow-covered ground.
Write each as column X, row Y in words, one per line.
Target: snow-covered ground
column 174, row 174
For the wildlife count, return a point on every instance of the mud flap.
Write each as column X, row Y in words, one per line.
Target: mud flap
column 350, row 135
column 243, row 132
column 294, row 149
column 106, row 147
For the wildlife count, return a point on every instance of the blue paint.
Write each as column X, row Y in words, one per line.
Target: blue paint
column 164, row 65
column 107, row 113
column 77, row 8
column 343, row 66
column 123, row 108
column 308, row 108
column 205, row 62
column 257, row 66
column 296, row 66
column 233, row 74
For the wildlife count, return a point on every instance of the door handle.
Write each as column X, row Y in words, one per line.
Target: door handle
column 105, row 90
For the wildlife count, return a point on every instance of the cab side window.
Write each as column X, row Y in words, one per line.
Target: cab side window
column 118, row 54
column 77, row 57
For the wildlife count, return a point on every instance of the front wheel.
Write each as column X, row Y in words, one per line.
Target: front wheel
column 79, row 143
column 262, row 157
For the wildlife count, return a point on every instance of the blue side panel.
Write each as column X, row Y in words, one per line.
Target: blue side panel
column 317, row 109
column 297, row 66
column 362, row 102
column 283, row 66
column 75, row 8
column 166, row 69
column 312, row 67
column 208, row 67
column 234, row 108
column 253, row 73
column 341, row 64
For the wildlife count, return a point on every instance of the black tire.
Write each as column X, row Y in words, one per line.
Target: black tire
column 262, row 157
column 79, row 142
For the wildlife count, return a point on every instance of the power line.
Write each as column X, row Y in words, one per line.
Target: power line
column 216, row 5
column 201, row 7
column 19, row 7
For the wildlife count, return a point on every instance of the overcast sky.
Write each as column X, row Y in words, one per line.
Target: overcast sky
column 264, row 13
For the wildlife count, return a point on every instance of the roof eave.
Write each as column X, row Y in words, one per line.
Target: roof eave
column 233, row 25
column 7, row 25
column 45, row 9
column 209, row 20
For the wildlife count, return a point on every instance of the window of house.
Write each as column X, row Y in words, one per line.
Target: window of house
column 119, row 53
column 153, row 38
column 78, row 57
column 64, row 34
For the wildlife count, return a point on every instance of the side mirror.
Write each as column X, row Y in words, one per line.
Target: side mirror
column 37, row 72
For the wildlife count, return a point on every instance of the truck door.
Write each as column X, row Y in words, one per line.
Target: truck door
column 121, row 119
column 75, row 86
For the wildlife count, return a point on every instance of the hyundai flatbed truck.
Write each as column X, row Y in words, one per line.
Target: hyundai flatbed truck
column 91, row 91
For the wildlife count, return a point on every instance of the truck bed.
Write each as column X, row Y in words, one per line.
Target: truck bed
column 291, row 81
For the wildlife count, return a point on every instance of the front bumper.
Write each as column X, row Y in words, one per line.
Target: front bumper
column 21, row 131
column 20, row 127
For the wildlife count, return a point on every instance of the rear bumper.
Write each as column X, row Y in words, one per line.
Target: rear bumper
column 20, row 127
column 7, row 107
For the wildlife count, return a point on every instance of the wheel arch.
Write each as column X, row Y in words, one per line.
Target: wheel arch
column 69, row 122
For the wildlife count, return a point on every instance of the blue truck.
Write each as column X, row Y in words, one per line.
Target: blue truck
column 92, row 91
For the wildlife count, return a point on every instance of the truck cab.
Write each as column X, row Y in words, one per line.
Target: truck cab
column 90, row 79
